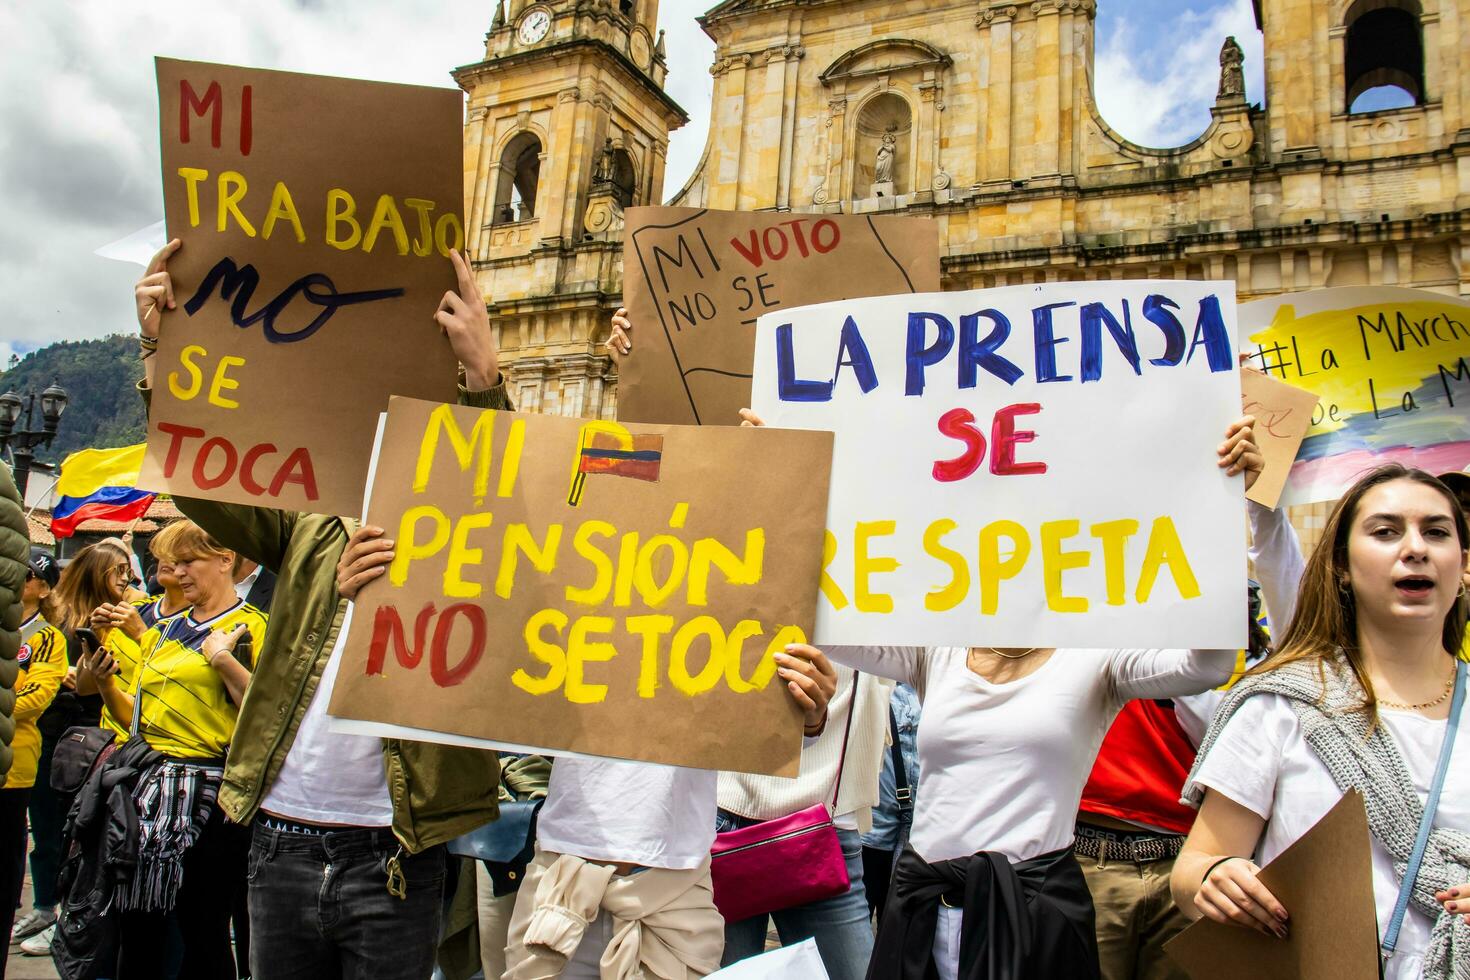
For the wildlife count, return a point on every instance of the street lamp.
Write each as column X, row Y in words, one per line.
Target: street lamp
column 20, row 443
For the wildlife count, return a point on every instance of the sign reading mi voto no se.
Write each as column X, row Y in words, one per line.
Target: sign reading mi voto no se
column 1032, row 465
column 613, row 590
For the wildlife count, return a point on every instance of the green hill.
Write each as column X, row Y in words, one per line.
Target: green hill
column 98, row 376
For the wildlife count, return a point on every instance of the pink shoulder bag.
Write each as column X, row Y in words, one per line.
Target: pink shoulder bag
column 786, row 862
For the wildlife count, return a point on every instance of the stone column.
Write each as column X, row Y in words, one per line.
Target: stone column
column 996, row 22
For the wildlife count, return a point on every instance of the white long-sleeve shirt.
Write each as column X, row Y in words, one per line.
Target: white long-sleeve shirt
column 1002, row 766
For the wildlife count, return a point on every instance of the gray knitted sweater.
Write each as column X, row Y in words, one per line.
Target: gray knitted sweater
column 1338, row 731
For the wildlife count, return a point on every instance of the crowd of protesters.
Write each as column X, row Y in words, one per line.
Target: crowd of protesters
column 1001, row 812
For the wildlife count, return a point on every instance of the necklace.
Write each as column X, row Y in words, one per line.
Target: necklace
column 1449, row 686
column 1026, row 653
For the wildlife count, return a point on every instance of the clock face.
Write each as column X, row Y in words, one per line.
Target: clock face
column 534, row 26
column 638, row 50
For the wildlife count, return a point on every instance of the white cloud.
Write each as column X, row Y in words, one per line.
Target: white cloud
column 1155, row 86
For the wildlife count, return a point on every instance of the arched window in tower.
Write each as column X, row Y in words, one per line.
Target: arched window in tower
column 624, row 179
column 520, row 173
column 882, row 165
column 1383, row 60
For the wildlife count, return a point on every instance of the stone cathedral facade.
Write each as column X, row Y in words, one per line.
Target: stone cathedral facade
column 977, row 114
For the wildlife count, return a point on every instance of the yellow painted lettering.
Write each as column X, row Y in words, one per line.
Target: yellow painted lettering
column 385, row 215
column 582, row 651
column 232, row 188
column 192, row 176
column 597, row 592
column 864, row 565
column 627, row 566
column 734, row 655
column 954, row 593
column 741, row 570
column 518, row 541
column 1055, row 561
column 1114, row 536
column 441, row 420
column 714, row 667
column 645, row 573
column 196, row 376
column 549, row 654
column 340, row 208
column 282, row 207
column 830, row 589
column 461, row 554
column 423, row 244
column 652, row 629
column 991, row 568
column 223, row 382
column 785, row 636
column 1165, row 548
column 410, row 548
column 510, row 463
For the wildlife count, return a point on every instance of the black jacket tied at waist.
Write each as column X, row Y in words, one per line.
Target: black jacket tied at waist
column 1032, row 919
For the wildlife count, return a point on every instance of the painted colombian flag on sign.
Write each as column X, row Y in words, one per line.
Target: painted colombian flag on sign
column 606, row 447
column 99, row 483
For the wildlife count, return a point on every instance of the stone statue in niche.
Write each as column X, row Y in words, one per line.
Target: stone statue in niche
column 1232, row 74
column 883, row 167
column 603, row 172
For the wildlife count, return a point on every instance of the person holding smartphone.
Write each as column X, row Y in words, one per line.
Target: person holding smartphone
column 184, row 703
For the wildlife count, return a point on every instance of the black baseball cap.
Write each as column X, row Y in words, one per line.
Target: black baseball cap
column 1456, row 480
column 44, row 565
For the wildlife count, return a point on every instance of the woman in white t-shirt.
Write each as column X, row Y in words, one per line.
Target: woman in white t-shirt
column 1357, row 696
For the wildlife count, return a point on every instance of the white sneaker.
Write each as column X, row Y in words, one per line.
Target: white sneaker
column 31, row 923
column 40, row 943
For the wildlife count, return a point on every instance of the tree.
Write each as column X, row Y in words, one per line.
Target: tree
column 99, row 376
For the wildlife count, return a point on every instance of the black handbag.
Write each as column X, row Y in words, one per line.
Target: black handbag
column 79, row 751
column 504, row 846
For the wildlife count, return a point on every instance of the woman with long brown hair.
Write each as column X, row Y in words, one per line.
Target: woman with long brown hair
column 1358, row 695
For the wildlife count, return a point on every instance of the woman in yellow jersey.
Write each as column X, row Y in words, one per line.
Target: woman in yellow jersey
column 190, row 860
column 42, row 662
column 127, row 622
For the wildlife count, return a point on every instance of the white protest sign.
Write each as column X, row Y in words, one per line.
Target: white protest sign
column 1033, row 465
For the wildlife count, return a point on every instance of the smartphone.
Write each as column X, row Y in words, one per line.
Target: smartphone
column 88, row 638
column 244, row 651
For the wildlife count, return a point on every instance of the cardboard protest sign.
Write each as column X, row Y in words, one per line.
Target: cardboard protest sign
column 584, row 585
column 1325, row 883
column 1392, row 370
column 314, row 256
column 1283, row 413
column 1024, row 466
column 694, row 282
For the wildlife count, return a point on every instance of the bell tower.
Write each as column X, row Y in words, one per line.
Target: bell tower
column 568, row 124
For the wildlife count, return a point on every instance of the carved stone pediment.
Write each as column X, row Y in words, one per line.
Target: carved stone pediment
column 886, row 57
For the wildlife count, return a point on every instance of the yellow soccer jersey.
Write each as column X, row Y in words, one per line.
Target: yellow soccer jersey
column 42, row 663
column 184, row 709
column 126, row 652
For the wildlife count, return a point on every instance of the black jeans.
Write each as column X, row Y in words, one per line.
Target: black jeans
column 320, row 907
column 12, row 855
column 213, row 867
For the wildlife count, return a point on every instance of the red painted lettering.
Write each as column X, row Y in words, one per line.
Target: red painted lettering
column 1003, row 438
column 751, row 250
column 212, row 102
column 388, row 626
column 298, row 470
column 246, row 126
column 247, row 468
column 797, row 233
column 201, row 462
column 177, row 435
column 834, row 235
column 439, row 669
column 781, row 239
column 958, row 423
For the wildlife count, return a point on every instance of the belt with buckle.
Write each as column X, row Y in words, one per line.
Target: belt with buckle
column 1140, row 847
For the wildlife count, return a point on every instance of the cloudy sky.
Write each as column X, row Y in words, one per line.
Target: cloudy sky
column 79, row 113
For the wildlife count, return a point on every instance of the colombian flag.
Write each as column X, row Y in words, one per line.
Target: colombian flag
column 606, row 447
column 99, row 483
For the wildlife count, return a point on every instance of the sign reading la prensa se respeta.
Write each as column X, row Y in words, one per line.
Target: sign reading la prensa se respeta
column 1026, row 466
column 315, row 253
column 586, row 586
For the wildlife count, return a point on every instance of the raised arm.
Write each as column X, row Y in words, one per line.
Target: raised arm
column 1167, row 673
column 1276, row 555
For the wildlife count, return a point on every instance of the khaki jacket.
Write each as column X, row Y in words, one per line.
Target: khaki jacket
column 439, row 792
